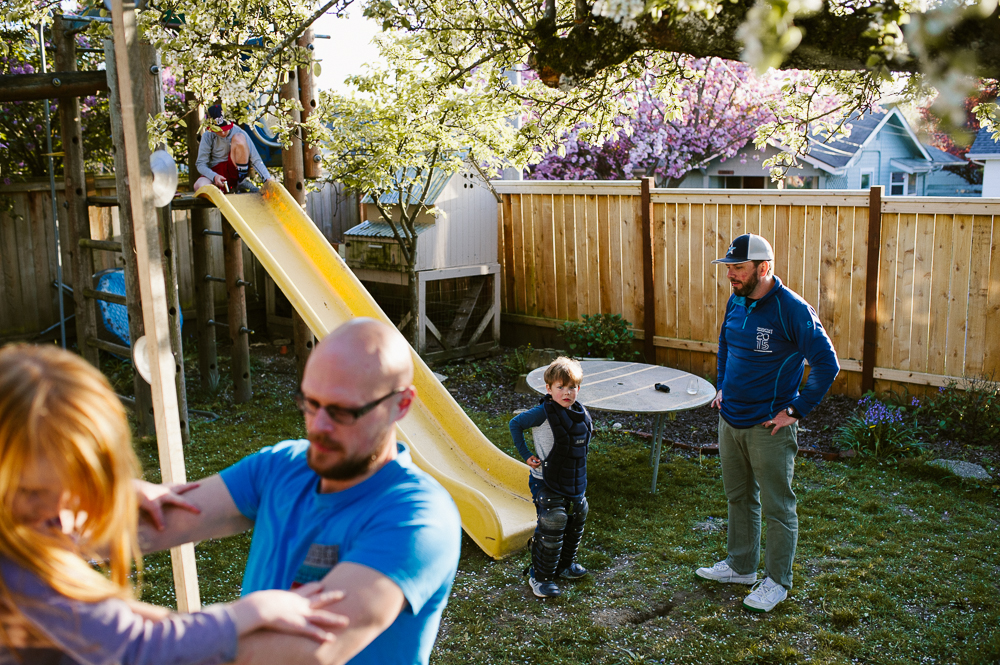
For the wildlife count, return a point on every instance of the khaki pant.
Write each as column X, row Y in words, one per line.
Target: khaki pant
column 757, row 470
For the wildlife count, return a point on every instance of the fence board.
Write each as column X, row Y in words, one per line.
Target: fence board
column 904, row 292
column 29, row 289
column 857, row 331
column 923, row 284
column 937, row 330
column 959, row 303
column 633, row 241
column 595, row 306
column 560, row 277
column 520, row 270
column 668, row 325
column 842, row 291
column 979, row 270
column 582, row 257
column 991, row 357
column 604, row 247
column 535, row 301
column 572, row 289
column 545, row 254
column 615, row 206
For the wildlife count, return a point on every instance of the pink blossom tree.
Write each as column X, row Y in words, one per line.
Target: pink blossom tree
column 714, row 112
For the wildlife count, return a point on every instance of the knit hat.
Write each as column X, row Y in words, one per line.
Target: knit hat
column 748, row 247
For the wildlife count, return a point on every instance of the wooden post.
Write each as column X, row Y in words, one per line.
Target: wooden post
column 202, row 251
column 307, row 95
column 648, row 272
column 239, row 364
column 871, row 289
column 81, row 260
column 132, row 76
column 136, row 329
column 165, row 219
column 291, row 163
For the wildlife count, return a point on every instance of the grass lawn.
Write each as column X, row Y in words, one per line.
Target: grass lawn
column 895, row 564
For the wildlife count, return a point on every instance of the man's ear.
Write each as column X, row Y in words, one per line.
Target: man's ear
column 406, row 401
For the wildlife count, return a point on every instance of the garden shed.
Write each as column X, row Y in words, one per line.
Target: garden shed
column 456, row 264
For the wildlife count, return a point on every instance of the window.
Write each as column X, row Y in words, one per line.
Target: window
column 897, row 184
column 866, row 180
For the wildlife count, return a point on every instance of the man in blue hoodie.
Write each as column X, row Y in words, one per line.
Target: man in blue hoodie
column 768, row 333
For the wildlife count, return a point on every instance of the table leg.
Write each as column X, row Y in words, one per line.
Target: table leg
column 658, row 427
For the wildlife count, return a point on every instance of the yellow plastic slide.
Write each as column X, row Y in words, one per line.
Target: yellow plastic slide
column 489, row 487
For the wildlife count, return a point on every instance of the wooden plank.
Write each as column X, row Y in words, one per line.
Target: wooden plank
column 958, row 308
column 979, row 289
column 684, row 302
column 604, row 260
column 767, row 223
column 29, row 286
column 923, row 283
column 826, row 305
column 936, row 204
column 594, row 251
column 667, row 323
column 536, row 297
column 813, row 246
column 937, row 333
column 558, row 287
column 11, row 266
column 519, row 267
column 697, row 287
column 887, row 291
column 45, row 275
column 991, row 358
column 545, row 255
column 505, row 225
column 856, row 344
column 631, row 265
column 795, row 272
column 903, row 318
column 842, row 289
column 781, row 239
column 581, row 257
column 713, row 249
column 132, row 77
column 647, row 243
column 723, row 290
column 615, row 205
column 753, row 219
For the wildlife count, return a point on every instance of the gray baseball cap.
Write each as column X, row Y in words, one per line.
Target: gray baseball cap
column 748, row 247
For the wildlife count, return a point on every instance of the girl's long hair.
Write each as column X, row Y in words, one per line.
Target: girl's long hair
column 57, row 409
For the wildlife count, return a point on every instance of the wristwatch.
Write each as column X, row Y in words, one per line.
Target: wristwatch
column 793, row 412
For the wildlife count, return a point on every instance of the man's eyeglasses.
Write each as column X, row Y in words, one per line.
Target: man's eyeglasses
column 338, row 414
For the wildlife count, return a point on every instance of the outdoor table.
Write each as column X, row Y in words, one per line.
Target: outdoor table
column 623, row 387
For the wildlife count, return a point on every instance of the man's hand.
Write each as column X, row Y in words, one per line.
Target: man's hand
column 152, row 499
column 779, row 421
column 296, row 612
column 534, row 462
column 717, row 402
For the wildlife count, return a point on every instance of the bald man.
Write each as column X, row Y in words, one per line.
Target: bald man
column 345, row 506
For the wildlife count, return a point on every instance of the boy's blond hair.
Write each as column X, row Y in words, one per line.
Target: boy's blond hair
column 57, row 409
column 564, row 370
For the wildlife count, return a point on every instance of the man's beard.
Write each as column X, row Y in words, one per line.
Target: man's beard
column 347, row 469
column 748, row 288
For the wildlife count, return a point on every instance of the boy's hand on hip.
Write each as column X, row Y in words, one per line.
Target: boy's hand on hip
column 533, row 462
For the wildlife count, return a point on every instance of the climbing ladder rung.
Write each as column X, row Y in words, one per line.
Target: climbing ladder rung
column 106, row 297
column 110, row 347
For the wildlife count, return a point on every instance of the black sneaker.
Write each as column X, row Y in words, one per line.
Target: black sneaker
column 574, row 572
column 547, row 589
column 247, row 187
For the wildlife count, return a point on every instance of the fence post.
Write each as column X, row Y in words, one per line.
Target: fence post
column 871, row 289
column 648, row 283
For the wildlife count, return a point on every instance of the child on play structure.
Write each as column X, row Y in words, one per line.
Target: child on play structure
column 225, row 155
column 561, row 430
column 67, row 499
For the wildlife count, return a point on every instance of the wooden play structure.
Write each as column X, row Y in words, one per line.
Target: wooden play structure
column 146, row 248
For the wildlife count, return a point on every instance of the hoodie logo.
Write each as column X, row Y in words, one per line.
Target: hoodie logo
column 763, row 338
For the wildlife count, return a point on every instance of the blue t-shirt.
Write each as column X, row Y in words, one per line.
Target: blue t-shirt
column 400, row 522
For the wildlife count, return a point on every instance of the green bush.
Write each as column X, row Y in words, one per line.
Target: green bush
column 968, row 411
column 600, row 336
column 880, row 431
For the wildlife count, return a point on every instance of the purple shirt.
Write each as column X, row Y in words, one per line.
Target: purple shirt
column 110, row 633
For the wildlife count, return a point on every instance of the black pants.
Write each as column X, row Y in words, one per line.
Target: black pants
column 560, row 529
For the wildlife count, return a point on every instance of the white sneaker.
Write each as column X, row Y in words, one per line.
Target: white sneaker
column 721, row 572
column 765, row 595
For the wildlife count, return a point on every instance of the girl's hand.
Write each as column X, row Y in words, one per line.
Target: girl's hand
column 295, row 612
column 152, row 498
column 533, row 462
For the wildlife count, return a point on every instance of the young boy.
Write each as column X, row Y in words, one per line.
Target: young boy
column 561, row 429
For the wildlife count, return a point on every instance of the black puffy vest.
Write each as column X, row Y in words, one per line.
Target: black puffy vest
column 565, row 467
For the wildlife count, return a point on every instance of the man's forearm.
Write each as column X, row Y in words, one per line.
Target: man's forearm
column 219, row 518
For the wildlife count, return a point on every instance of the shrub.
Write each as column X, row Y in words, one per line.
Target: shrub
column 968, row 411
column 600, row 336
column 881, row 431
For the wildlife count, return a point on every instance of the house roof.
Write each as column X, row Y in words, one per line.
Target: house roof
column 842, row 151
column 984, row 147
column 439, row 179
column 380, row 230
column 942, row 158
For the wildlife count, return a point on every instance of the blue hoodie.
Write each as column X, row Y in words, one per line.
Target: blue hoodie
column 763, row 347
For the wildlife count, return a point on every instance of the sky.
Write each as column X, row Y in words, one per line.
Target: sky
column 348, row 48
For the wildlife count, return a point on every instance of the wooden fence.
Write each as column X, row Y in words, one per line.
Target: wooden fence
column 28, row 299
column 568, row 249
